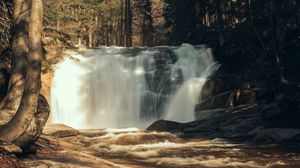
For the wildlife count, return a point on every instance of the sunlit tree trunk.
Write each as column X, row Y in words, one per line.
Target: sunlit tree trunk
column 90, row 39
column 20, row 122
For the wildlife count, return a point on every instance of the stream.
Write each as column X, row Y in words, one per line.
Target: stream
column 136, row 148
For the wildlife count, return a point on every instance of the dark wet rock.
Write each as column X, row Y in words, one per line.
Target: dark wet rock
column 231, row 123
column 60, row 130
column 214, row 102
column 243, row 123
column 248, row 96
column 275, row 134
column 284, row 112
column 224, row 99
column 210, row 114
column 164, row 125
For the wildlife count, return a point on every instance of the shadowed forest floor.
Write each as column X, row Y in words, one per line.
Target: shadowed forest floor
column 62, row 146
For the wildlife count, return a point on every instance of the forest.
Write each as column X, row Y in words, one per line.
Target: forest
column 150, row 83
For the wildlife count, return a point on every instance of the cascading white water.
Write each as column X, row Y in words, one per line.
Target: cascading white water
column 196, row 66
column 119, row 87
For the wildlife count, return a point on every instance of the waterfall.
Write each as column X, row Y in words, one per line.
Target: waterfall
column 129, row 87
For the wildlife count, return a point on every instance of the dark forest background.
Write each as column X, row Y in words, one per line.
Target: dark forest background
column 257, row 42
column 239, row 31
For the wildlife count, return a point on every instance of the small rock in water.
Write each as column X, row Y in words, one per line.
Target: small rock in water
column 164, row 125
column 220, row 141
column 60, row 130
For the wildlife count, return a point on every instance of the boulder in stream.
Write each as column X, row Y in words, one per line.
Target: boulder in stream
column 60, row 130
column 165, row 125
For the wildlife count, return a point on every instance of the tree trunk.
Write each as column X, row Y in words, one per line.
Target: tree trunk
column 126, row 23
column 129, row 24
column 220, row 22
column 37, row 124
column 21, row 18
column 28, row 107
column 90, row 39
column 147, row 23
column 122, row 24
column 278, row 51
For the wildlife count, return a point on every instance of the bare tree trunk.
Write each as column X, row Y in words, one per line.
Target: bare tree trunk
column 28, row 107
column 90, row 39
column 144, row 33
column 37, row 124
column 278, row 50
column 126, row 23
column 129, row 24
column 220, row 22
column 21, row 18
column 122, row 24
column 117, row 32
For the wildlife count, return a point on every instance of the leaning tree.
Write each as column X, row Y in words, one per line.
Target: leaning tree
column 24, row 111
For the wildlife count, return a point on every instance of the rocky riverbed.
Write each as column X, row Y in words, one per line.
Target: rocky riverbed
column 64, row 147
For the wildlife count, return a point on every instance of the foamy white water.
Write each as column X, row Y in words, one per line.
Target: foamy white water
column 113, row 87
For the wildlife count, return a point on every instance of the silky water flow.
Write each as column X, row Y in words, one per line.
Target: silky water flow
column 113, row 87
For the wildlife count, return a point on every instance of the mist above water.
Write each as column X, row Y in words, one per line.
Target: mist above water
column 112, row 87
